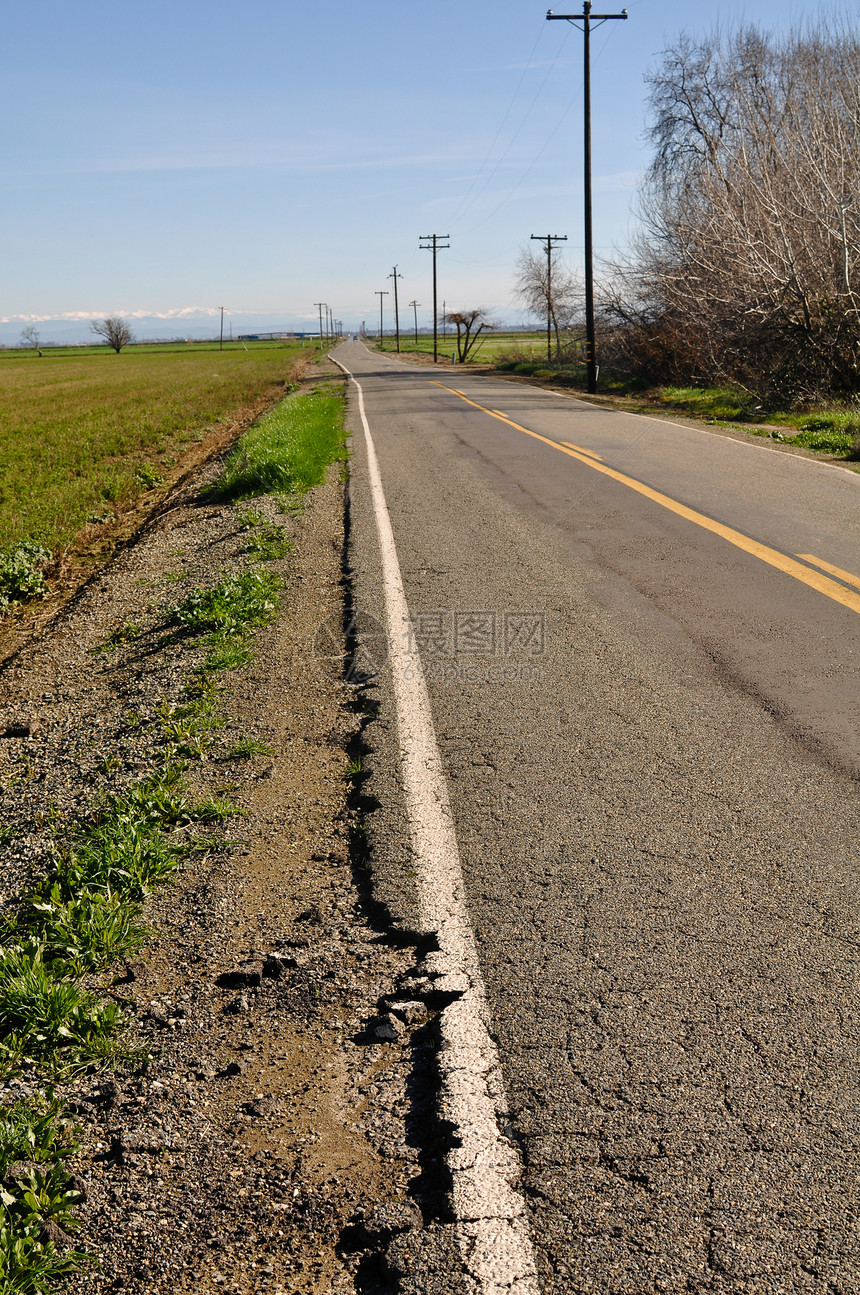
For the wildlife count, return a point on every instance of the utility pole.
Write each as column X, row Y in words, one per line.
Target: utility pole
column 549, row 239
column 433, row 245
column 330, row 323
column 587, row 18
column 320, row 304
column 380, row 294
column 415, row 305
column 395, row 276
column 221, row 339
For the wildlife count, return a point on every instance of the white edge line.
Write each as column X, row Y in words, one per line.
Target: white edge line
column 490, row 1215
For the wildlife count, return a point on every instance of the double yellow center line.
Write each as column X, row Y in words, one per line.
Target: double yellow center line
column 817, row 580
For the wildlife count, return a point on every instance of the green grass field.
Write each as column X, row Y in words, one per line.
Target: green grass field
column 490, row 346
column 83, row 429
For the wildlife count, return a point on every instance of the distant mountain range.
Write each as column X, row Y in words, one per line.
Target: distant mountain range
column 71, row 330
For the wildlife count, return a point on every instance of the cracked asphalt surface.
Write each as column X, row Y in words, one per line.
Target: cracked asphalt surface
column 652, row 751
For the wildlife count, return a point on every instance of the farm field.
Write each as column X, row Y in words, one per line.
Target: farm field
column 489, row 348
column 83, row 431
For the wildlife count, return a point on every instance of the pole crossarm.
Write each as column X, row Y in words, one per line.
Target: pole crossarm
column 597, row 18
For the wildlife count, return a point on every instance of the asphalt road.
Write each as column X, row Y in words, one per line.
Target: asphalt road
column 646, row 706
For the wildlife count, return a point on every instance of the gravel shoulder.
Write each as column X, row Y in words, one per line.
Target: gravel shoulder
column 274, row 1131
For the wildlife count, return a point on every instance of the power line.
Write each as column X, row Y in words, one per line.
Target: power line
column 562, row 118
column 461, row 211
column 502, row 125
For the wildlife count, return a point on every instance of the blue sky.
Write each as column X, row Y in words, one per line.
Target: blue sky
column 163, row 159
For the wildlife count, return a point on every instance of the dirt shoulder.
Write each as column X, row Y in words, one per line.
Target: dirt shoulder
column 274, row 1131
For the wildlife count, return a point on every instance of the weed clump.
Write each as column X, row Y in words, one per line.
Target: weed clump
column 232, row 607
column 226, row 614
column 36, row 1199
column 21, row 573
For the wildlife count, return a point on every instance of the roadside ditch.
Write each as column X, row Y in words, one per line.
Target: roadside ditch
column 242, row 1095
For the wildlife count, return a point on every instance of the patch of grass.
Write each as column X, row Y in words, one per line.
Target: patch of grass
column 88, row 930
column 214, row 809
column 46, row 1016
column 729, row 404
column 84, row 915
column 185, row 729
column 148, row 476
column 835, row 432
column 226, row 614
column 21, row 576
column 34, row 1145
column 122, row 634
column 269, row 542
column 251, row 517
column 232, row 607
column 246, row 748
column 226, row 654
column 287, row 451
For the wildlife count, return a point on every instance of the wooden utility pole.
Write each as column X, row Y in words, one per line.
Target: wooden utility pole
column 395, row 276
column 380, row 294
column 587, row 18
column 548, row 240
column 433, row 245
column 415, row 305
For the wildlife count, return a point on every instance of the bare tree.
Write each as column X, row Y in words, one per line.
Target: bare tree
column 470, row 324
column 114, row 330
column 557, row 294
column 748, row 263
column 30, row 337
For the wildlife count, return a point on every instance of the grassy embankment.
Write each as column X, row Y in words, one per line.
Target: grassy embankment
column 83, row 432
column 56, row 1015
column 833, row 431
